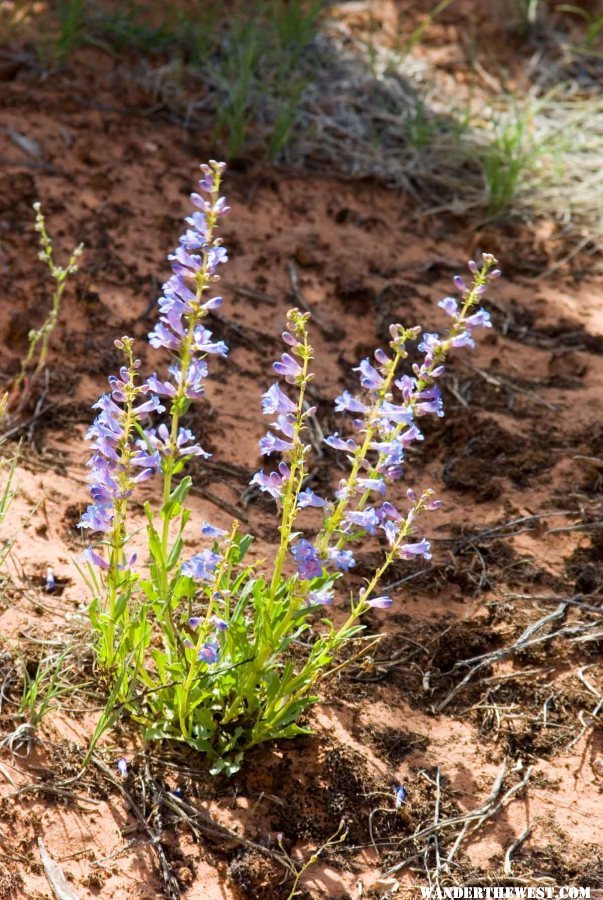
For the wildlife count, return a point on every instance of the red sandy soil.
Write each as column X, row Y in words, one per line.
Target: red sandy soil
column 522, row 440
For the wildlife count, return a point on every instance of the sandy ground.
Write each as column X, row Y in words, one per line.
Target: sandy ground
column 520, row 451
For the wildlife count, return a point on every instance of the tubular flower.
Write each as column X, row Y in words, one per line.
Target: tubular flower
column 306, row 557
column 202, row 566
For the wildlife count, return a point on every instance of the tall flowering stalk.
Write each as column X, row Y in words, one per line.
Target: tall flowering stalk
column 36, row 357
column 200, row 648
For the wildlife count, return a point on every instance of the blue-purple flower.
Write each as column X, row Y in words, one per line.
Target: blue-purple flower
column 369, row 376
column 309, row 498
column 275, row 401
column 341, row 559
column 400, row 795
column 382, row 602
column 209, row 652
column 366, row 519
column 338, row 443
column 202, row 566
column 450, row 306
column 211, row 531
column 309, row 565
column 95, row 559
column 274, row 482
column 421, row 548
column 288, row 367
column 347, row 403
column 322, row 596
column 270, row 443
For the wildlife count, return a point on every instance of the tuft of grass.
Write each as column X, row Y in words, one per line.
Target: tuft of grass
column 278, row 78
column 535, row 156
column 417, row 35
column 524, row 14
column 593, row 24
column 34, row 688
column 235, row 71
column 509, row 157
column 256, row 69
column 71, row 18
column 43, row 687
column 248, row 55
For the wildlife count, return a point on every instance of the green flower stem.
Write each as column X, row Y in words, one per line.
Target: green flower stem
column 289, row 513
column 117, row 540
column 60, row 276
column 334, row 520
column 341, row 635
column 297, row 462
column 179, row 402
column 223, row 569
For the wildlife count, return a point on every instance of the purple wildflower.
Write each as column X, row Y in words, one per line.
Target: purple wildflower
column 346, row 403
column 366, row 519
column 162, row 336
column 480, row 319
column 161, row 440
column 98, row 517
column 290, row 339
column 450, row 306
column 209, row 652
column 372, row 484
column 202, row 566
column 276, row 401
column 163, row 388
column 369, row 376
column 342, row 559
column 203, row 342
column 400, row 795
column 380, row 602
column 321, row 597
column 309, row 498
column 51, row 583
column 391, row 531
column 460, row 284
column 306, row 557
column 409, row 551
column 463, row 339
column 337, row 443
column 95, row 559
column 288, row 368
column 430, row 344
column 211, row 530
column 285, row 424
column 270, row 443
column 273, row 483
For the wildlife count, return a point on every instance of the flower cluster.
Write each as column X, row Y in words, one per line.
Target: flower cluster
column 125, row 451
column 385, row 422
column 183, row 306
column 116, row 464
